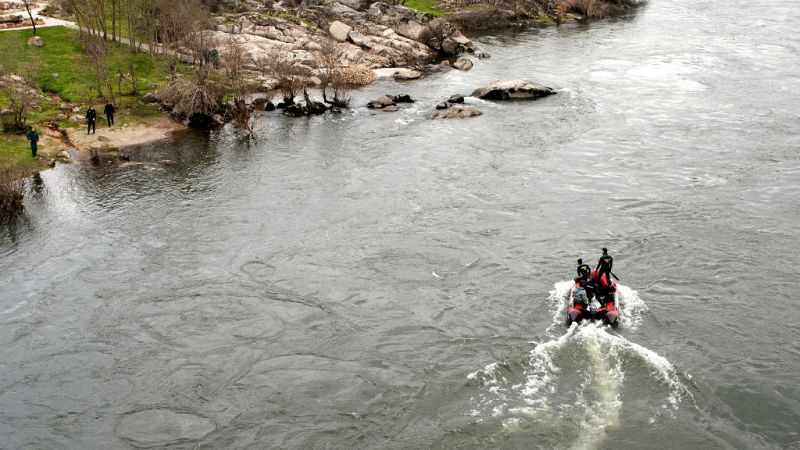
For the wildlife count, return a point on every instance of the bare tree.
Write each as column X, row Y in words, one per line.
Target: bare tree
column 12, row 191
column 20, row 97
column 237, row 85
column 290, row 78
column 329, row 60
column 90, row 15
column 18, row 88
column 28, row 8
column 96, row 50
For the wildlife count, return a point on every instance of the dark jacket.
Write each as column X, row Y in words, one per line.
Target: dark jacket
column 32, row 136
column 91, row 115
column 109, row 110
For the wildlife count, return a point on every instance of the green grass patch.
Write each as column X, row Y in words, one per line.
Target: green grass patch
column 14, row 148
column 426, row 6
column 65, row 76
column 61, row 68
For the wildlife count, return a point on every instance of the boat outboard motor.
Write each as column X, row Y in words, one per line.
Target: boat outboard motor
column 612, row 319
column 593, row 307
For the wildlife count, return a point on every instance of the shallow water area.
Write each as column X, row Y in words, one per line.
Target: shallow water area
column 386, row 281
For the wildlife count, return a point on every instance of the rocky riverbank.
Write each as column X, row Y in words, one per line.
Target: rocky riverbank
column 377, row 36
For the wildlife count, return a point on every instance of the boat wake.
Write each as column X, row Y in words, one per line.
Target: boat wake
column 577, row 382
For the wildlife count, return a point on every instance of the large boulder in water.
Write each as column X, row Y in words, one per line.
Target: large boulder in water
column 463, row 64
column 513, row 89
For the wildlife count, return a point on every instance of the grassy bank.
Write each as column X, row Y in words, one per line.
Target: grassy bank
column 427, row 6
column 66, row 79
column 16, row 150
column 60, row 67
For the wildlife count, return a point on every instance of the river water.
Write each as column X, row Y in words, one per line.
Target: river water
column 385, row 281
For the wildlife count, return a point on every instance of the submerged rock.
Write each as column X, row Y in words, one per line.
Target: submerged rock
column 403, row 98
column 456, row 99
column 513, row 89
column 456, row 112
column 381, row 102
column 463, row 64
column 397, row 73
column 162, row 427
column 293, row 110
column 315, row 108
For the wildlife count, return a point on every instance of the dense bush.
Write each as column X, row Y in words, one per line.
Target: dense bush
column 12, row 186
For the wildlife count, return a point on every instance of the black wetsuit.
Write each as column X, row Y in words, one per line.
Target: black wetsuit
column 604, row 267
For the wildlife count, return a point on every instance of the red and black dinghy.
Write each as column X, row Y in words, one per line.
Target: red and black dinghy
column 595, row 298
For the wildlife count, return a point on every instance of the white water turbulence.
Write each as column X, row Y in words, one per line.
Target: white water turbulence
column 575, row 384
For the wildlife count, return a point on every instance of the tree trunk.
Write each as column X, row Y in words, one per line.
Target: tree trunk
column 33, row 22
column 114, row 20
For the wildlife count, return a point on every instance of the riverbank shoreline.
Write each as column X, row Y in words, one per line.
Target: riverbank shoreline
column 118, row 137
column 375, row 38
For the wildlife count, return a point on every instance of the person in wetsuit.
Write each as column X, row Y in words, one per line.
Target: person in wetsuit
column 583, row 268
column 584, row 280
column 604, row 265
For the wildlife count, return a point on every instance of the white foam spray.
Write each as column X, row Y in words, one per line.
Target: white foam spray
column 577, row 377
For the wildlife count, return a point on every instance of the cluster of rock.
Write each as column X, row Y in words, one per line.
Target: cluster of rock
column 310, row 108
column 388, row 103
column 454, row 108
column 374, row 36
column 10, row 19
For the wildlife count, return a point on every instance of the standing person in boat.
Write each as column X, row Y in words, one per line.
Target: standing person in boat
column 604, row 265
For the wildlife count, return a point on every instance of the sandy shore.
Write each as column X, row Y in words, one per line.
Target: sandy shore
column 119, row 136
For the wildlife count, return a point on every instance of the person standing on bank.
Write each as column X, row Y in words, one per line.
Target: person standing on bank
column 109, row 111
column 91, row 119
column 33, row 136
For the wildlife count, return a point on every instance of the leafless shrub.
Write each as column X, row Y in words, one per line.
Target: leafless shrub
column 192, row 98
column 12, row 192
column 21, row 99
column 237, row 85
column 329, row 58
column 589, row 8
column 290, row 77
